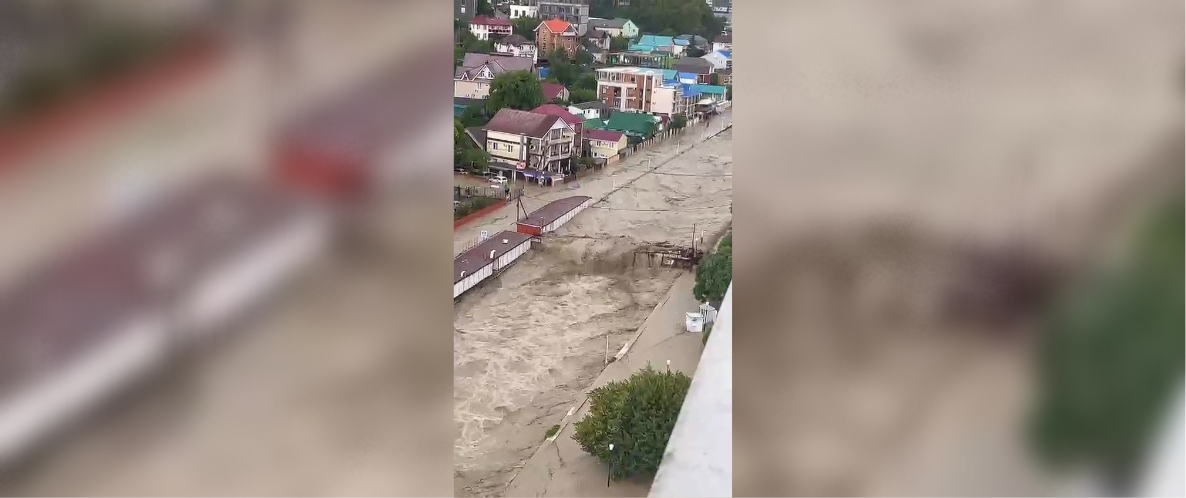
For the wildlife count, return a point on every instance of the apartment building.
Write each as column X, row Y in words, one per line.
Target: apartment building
column 628, row 89
column 572, row 11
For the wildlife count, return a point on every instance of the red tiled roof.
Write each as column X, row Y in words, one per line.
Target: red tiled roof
column 556, row 25
column 551, row 90
column 560, row 112
column 609, row 136
column 489, row 21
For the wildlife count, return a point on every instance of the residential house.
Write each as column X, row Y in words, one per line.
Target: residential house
column 699, row 66
column 484, row 28
column 655, row 43
column 530, row 140
column 615, row 27
column 679, row 47
column 605, row 144
column 576, row 122
column 723, row 42
column 518, row 11
column 720, row 59
column 477, row 71
column 638, row 125
column 555, row 33
column 641, row 59
column 464, row 10
column 596, row 38
column 553, row 91
column 724, row 76
column 590, row 110
column 600, row 55
column 670, row 100
column 715, row 92
column 574, row 12
column 517, row 46
column 697, row 41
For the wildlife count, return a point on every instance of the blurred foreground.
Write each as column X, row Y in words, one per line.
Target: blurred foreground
column 185, row 314
column 952, row 179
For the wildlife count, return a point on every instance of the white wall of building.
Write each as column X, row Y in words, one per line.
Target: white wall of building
column 518, row 11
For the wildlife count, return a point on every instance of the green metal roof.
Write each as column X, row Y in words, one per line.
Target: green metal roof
column 631, row 122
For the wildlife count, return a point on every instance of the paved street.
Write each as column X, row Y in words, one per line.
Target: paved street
column 561, row 468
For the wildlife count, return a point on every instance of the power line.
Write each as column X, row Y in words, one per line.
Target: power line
column 662, row 210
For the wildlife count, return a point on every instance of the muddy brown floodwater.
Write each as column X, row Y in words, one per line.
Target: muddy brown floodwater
column 529, row 343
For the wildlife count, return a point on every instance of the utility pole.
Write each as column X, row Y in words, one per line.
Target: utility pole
column 693, row 238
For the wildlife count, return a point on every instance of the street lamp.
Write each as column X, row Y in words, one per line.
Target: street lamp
column 609, row 477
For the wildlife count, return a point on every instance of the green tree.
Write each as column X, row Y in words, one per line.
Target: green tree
column 619, row 43
column 679, row 121
column 1111, row 357
column 561, row 69
column 484, row 8
column 584, row 58
column 581, row 95
column 525, row 27
column 694, row 52
column 515, row 89
column 714, row 79
column 715, row 273
column 670, row 16
column 474, row 115
column 477, row 160
column 728, row 92
column 587, row 81
column 636, row 416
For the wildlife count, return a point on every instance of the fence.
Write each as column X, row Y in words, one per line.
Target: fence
column 513, row 193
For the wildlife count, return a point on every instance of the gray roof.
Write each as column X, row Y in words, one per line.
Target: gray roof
column 478, row 135
column 478, row 257
column 608, row 23
column 514, row 39
column 692, row 65
column 498, row 64
column 518, row 122
column 552, row 211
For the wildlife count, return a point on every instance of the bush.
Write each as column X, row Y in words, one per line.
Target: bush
column 1111, row 357
column 636, row 416
column 714, row 273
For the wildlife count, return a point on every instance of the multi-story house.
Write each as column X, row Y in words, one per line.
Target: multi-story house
column 575, row 12
column 556, row 33
column 615, row 27
column 597, row 39
column 517, row 46
column 723, row 42
column 526, row 9
column 485, row 28
column 464, row 10
column 698, row 66
column 576, row 122
column 477, row 71
column 644, row 90
column 530, row 140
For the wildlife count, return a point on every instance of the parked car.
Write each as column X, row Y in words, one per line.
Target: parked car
column 498, row 181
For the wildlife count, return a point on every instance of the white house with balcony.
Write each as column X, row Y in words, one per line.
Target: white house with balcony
column 517, row 46
column 485, row 28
